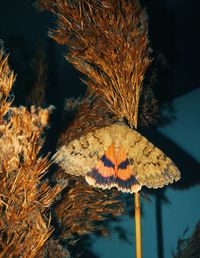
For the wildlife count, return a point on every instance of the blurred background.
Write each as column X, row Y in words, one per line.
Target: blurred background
column 174, row 30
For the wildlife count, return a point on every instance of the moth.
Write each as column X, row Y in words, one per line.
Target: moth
column 117, row 156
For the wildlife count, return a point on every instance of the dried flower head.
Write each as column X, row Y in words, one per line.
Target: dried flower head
column 24, row 198
column 7, row 79
column 82, row 208
column 108, row 42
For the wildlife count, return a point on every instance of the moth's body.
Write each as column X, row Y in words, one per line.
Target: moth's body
column 117, row 145
column 117, row 156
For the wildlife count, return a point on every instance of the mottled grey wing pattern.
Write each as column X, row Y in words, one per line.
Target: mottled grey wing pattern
column 78, row 157
column 151, row 166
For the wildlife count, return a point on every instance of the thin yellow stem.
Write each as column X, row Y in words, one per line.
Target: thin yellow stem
column 138, row 226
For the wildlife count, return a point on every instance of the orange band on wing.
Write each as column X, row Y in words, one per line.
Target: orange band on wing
column 106, row 171
column 114, row 170
column 125, row 173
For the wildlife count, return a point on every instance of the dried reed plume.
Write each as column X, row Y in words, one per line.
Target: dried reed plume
column 91, row 113
column 82, row 208
column 107, row 41
column 24, row 198
column 148, row 107
column 7, row 79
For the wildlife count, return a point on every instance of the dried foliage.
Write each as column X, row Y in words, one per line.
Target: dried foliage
column 107, row 41
column 7, row 79
column 24, row 198
column 55, row 249
column 82, row 207
column 189, row 248
column 92, row 113
column 148, row 108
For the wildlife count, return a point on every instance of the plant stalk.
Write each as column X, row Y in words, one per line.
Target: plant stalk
column 138, row 226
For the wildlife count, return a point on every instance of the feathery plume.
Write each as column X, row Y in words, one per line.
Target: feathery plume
column 25, row 220
column 107, row 41
column 7, row 78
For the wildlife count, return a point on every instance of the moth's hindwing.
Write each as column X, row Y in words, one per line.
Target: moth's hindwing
column 114, row 170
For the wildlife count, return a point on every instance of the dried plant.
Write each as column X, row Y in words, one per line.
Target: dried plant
column 92, row 113
column 148, row 108
column 189, row 248
column 7, row 79
column 55, row 249
column 107, row 41
column 82, row 207
column 24, row 198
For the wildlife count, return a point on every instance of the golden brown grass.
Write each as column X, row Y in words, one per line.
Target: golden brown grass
column 7, row 79
column 25, row 219
column 91, row 113
column 107, row 41
column 25, row 200
column 82, row 208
